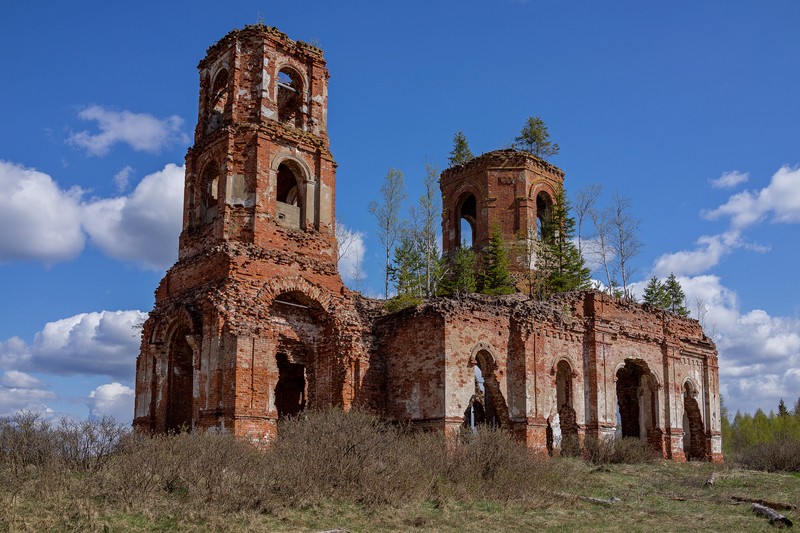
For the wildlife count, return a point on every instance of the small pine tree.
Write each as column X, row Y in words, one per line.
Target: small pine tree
column 676, row 299
column 559, row 262
column 782, row 411
column 460, row 152
column 406, row 272
column 534, row 138
column 655, row 294
column 459, row 277
column 495, row 279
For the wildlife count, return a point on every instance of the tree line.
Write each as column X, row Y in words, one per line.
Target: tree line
column 746, row 430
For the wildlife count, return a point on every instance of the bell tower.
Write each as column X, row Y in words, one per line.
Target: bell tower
column 260, row 169
column 253, row 322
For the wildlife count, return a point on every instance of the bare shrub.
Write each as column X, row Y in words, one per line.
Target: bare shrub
column 88, row 444
column 778, row 456
column 627, row 450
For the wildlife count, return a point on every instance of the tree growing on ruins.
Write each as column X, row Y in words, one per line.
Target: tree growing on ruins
column 460, row 152
column 623, row 233
column 535, row 139
column 655, row 294
column 584, row 204
column 424, row 220
column 495, row 278
column 675, row 297
column 387, row 214
column 407, row 272
column 459, row 275
column 559, row 265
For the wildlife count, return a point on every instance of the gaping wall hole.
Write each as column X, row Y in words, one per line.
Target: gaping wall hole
column 210, row 192
column 693, row 431
column 636, row 399
column 179, row 383
column 566, row 411
column 290, row 391
column 487, row 405
column 290, row 97
column 290, row 207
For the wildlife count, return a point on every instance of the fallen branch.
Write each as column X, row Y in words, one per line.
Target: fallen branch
column 711, row 480
column 775, row 518
column 767, row 503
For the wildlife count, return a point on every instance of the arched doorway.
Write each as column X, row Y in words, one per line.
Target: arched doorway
column 637, row 401
column 693, row 431
column 180, row 382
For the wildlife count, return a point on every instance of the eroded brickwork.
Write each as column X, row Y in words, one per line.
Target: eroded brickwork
column 253, row 322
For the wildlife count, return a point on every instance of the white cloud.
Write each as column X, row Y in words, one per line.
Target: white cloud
column 20, row 380
column 351, row 249
column 104, row 343
column 759, row 353
column 20, row 391
column 38, row 220
column 122, row 178
column 729, row 180
column 14, row 353
column 144, row 226
column 141, row 131
column 111, row 399
column 779, row 201
column 710, row 249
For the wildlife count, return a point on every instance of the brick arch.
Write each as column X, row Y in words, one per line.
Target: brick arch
column 277, row 286
column 285, row 64
column 482, row 347
column 166, row 324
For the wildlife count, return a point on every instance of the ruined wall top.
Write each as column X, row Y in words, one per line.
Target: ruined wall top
column 280, row 39
column 508, row 158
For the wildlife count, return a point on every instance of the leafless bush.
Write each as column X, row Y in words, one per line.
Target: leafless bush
column 627, row 450
column 779, row 456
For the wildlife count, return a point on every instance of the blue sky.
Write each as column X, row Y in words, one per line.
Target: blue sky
column 690, row 110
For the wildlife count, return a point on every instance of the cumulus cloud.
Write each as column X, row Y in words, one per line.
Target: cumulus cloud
column 141, row 131
column 111, row 399
column 708, row 252
column 98, row 343
column 351, row 250
column 38, row 219
column 122, row 178
column 23, row 392
column 144, row 226
column 779, row 202
column 729, row 180
column 759, row 353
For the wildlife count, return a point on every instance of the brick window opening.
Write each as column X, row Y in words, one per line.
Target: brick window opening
column 289, row 202
column 218, row 99
column 290, row 392
column 466, row 216
column 179, row 383
column 693, row 432
column 290, row 98
column 544, row 208
column 210, row 193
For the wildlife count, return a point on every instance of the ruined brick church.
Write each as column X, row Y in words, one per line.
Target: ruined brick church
column 253, row 323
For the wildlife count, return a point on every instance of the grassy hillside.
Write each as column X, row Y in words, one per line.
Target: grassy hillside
column 353, row 471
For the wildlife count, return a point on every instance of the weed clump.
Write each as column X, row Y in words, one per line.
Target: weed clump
column 625, row 450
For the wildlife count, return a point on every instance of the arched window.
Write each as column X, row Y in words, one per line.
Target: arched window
column 544, row 208
column 290, row 97
column 217, row 101
column 209, row 187
column 466, row 217
column 289, row 199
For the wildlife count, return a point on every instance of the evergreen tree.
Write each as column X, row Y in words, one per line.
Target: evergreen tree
column 559, row 263
column 460, row 152
column 655, row 294
column 459, row 277
column 534, row 138
column 782, row 411
column 407, row 270
column 495, row 279
column 676, row 299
